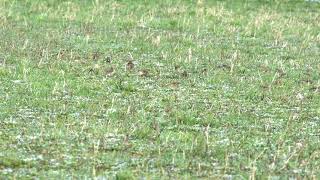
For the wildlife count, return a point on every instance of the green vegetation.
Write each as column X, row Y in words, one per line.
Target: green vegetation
column 159, row 89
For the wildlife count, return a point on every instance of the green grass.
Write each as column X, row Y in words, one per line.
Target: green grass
column 219, row 89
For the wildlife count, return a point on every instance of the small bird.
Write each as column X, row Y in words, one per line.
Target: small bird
column 2, row 61
column 95, row 56
column 143, row 73
column 129, row 65
column 184, row 74
column 107, row 59
column 110, row 71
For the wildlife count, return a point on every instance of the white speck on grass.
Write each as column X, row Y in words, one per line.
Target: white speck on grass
column 75, row 115
column 111, row 111
column 315, row 1
column 119, row 165
column 226, row 88
column 54, row 162
column 18, row 81
column 33, row 158
column 6, row 171
column 225, row 141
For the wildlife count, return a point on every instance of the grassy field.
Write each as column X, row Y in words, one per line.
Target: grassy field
column 159, row 89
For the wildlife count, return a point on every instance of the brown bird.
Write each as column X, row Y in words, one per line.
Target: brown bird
column 143, row 73
column 109, row 72
column 184, row 74
column 2, row 61
column 95, row 56
column 129, row 65
column 107, row 59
